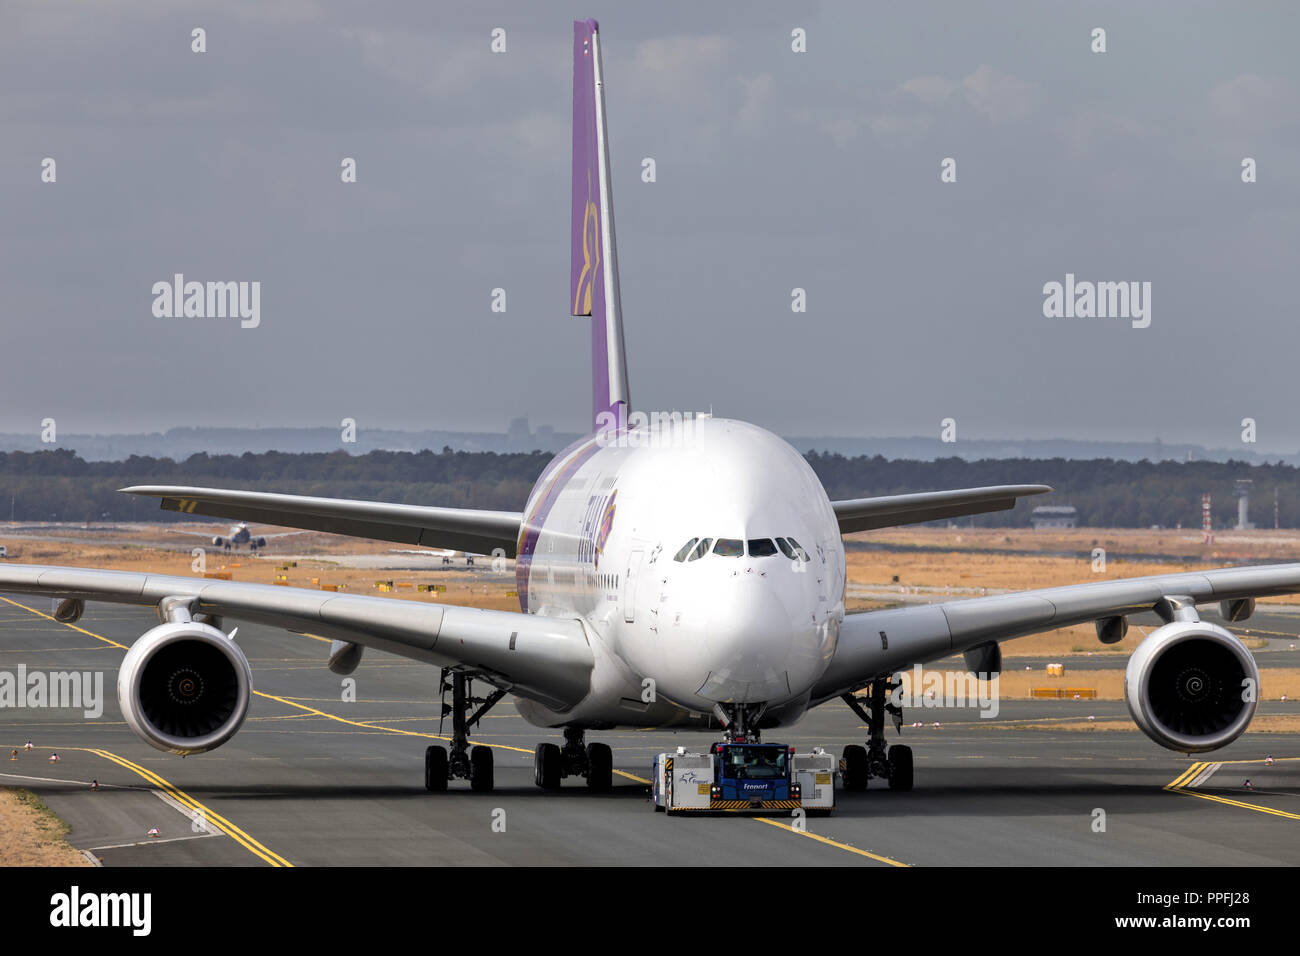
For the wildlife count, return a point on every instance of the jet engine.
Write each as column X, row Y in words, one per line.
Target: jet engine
column 1191, row 686
column 184, row 687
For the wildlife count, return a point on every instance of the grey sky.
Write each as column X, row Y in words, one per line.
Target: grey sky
column 775, row 170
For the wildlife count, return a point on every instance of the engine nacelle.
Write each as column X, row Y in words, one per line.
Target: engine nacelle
column 184, row 687
column 1192, row 686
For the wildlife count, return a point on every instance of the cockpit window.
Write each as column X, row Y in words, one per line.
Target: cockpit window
column 729, row 548
column 686, row 549
column 761, row 548
column 701, row 549
column 799, row 552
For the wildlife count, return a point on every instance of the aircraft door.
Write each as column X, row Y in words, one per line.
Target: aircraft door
column 629, row 585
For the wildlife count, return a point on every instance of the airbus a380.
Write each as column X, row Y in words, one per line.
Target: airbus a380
column 671, row 572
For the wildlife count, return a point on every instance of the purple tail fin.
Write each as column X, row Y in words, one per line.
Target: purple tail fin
column 593, row 286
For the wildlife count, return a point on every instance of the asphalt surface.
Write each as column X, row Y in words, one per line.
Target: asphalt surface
column 314, row 780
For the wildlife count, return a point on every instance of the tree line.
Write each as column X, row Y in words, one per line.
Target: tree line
column 58, row 485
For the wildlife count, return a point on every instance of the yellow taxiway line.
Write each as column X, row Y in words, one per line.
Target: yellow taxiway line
column 271, row 858
column 206, row 813
column 1179, row 785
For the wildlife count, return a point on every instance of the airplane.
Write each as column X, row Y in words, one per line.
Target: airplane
column 237, row 535
column 672, row 571
column 447, row 554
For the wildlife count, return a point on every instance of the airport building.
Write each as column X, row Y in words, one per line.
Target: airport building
column 1053, row 516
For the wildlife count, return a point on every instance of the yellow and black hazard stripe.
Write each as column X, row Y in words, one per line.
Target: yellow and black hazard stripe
column 747, row 805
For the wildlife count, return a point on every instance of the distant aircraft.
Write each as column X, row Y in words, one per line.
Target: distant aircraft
column 445, row 553
column 670, row 572
column 237, row 535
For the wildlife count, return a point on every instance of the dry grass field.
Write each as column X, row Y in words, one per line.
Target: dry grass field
column 32, row 835
column 129, row 550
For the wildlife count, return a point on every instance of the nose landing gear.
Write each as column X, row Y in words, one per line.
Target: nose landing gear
column 740, row 721
column 860, row 764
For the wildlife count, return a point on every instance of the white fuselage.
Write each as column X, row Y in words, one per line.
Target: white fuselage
column 755, row 624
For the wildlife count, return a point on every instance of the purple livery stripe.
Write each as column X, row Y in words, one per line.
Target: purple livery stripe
column 551, row 483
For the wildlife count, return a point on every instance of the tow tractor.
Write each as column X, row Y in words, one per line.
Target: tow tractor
column 744, row 776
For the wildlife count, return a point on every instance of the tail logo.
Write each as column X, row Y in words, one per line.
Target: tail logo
column 590, row 254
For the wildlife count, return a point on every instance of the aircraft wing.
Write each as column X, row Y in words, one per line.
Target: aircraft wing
column 867, row 514
column 461, row 529
column 545, row 659
column 876, row 643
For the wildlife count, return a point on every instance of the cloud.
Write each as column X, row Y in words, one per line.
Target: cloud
column 930, row 90
column 1254, row 102
column 1091, row 128
column 757, row 96
column 681, row 68
column 1000, row 96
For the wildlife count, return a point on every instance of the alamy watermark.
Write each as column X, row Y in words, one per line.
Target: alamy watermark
column 1098, row 300
column 208, row 300
column 54, row 690
column 925, row 689
column 646, row 429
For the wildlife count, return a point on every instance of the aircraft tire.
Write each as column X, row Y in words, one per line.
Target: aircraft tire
column 600, row 768
column 435, row 769
column 900, row 767
column 481, row 776
column 854, row 774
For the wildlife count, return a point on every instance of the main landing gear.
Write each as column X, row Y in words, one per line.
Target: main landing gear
column 552, row 763
column 860, row 764
column 464, row 762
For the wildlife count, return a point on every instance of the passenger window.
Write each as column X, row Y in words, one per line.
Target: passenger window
column 686, row 549
column 799, row 552
column 729, row 548
column 701, row 549
column 761, row 548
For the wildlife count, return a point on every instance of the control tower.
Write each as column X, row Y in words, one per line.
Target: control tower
column 1243, row 504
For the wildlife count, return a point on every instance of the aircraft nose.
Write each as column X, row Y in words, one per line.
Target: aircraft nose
column 758, row 646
